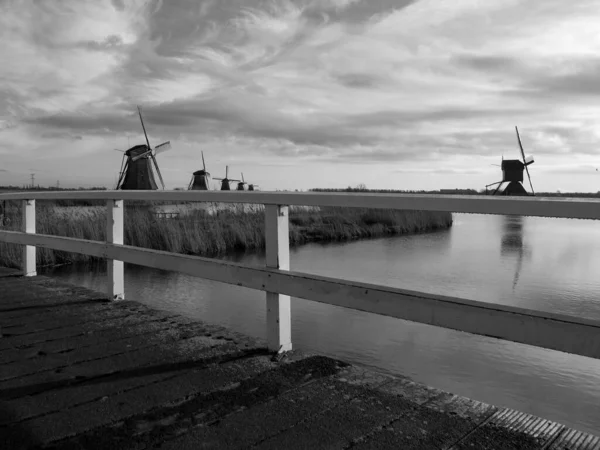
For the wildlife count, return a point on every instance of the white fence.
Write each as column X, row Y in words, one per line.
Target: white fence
column 560, row 332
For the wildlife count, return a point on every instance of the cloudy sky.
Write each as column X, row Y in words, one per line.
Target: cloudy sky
column 394, row 94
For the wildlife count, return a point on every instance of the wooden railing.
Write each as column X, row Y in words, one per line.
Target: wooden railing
column 571, row 334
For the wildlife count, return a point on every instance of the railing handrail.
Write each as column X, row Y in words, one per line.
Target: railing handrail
column 548, row 330
column 573, row 208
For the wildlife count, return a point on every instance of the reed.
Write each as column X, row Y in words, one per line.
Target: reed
column 203, row 234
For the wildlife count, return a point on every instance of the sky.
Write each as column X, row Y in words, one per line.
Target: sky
column 392, row 94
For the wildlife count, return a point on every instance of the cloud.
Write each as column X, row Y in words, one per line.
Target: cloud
column 582, row 82
column 266, row 82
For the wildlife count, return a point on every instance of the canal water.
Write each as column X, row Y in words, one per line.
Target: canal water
column 537, row 263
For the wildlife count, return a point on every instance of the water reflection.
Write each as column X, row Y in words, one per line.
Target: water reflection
column 512, row 235
column 554, row 263
column 512, row 244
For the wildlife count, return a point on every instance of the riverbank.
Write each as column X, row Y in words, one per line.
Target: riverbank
column 203, row 234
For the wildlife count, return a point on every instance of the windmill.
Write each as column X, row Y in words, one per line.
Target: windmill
column 249, row 186
column 136, row 171
column 200, row 179
column 226, row 182
column 512, row 173
column 242, row 185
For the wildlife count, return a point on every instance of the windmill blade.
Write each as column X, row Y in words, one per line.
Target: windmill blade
column 243, row 177
column 122, row 163
column 157, row 170
column 141, row 155
column 122, row 174
column 144, row 128
column 226, row 171
column 520, row 145
column 203, row 164
column 529, row 176
column 117, row 150
column 165, row 146
column 524, row 160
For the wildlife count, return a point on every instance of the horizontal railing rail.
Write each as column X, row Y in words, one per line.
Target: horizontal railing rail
column 573, row 208
column 560, row 332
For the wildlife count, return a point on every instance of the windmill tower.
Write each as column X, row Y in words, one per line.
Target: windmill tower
column 512, row 173
column 201, row 180
column 242, row 185
column 136, row 168
column 226, row 182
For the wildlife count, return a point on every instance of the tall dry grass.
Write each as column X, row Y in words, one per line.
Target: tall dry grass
column 203, row 234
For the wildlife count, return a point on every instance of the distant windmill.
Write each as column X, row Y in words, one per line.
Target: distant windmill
column 226, row 182
column 242, row 185
column 512, row 173
column 136, row 171
column 201, row 180
column 247, row 186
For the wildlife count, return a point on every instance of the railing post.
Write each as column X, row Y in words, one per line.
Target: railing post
column 279, row 320
column 114, row 235
column 28, row 226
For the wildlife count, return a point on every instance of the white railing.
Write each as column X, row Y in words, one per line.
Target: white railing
column 560, row 332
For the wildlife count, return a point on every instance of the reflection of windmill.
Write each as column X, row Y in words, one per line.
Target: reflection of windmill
column 136, row 171
column 226, row 182
column 512, row 173
column 242, row 185
column 512, row 242
column 200, row 179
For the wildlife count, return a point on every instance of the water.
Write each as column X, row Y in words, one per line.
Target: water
column 537, row 263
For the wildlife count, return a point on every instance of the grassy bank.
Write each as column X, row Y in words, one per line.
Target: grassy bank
column 209, row 235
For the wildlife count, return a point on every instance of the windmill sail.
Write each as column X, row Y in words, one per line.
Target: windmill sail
column 121, row 171
column 157, row 170
column 144, row 128
column 165, row 146
column 524, row 160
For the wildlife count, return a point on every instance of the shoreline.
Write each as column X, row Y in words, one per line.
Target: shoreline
column 206, row 234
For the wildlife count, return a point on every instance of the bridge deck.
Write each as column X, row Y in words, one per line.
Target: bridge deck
column 79, row 372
